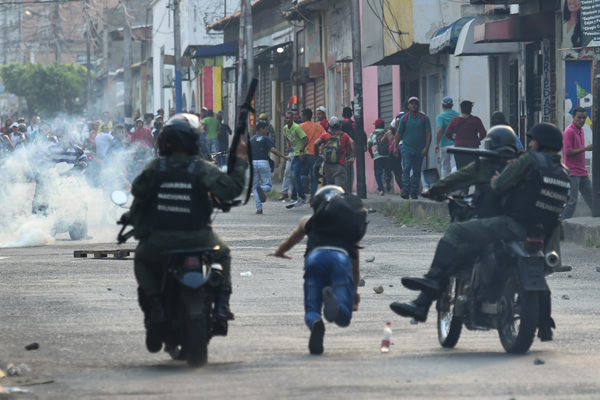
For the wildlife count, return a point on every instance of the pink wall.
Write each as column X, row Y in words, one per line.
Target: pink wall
column 370, row 107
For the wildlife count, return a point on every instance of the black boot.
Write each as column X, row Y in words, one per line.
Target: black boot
column 546, row 323
column 154, row 321
column 417, row 309
column 432, row 282
column 221, row 313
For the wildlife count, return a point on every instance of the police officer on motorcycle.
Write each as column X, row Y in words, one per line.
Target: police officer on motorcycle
column 500, row 139
column 533, row 190
column 172, row 207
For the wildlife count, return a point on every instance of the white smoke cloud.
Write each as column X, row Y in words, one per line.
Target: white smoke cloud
column 73, row 201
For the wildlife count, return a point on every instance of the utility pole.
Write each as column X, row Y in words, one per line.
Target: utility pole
column 88, row 55
column 596, row 136
column 56, row 31
column 249, row 43
column 177, row 40
column 127, row 61
column 241, row 55
column 359, row 136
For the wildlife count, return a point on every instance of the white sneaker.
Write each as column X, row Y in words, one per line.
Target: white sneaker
column 293, row 204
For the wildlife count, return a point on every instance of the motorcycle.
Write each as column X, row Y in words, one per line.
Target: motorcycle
column 502, row 290
column 190, row 285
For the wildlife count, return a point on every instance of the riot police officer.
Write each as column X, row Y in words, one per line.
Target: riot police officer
column 501, row 139
column 534, row 191
column 171, row 209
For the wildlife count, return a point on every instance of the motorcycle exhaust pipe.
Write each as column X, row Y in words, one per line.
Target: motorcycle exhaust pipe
column 552, row 259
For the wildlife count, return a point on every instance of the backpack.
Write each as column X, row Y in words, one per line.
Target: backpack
column 405, row 118
column 333, row 149
column 383, row 147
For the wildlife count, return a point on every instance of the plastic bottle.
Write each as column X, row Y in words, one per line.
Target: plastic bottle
column 387, row 335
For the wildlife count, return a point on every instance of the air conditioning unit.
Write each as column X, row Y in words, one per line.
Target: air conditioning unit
column 168, row 80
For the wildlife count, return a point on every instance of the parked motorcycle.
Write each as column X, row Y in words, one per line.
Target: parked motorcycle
column 500, row 291
column 190, row 284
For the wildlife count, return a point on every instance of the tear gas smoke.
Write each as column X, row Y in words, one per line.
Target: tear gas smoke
column 43, row 201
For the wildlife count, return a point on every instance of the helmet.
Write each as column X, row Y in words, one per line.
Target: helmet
column 181, row 132
column 547, row 135
column 501, row 137
column 324, row 195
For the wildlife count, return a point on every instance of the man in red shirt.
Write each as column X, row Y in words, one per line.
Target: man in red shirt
column 574, row 149
column 466, row 130
column 334, row 153
column 141, row 135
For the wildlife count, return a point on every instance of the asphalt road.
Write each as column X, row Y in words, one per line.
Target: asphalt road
column 84, row 315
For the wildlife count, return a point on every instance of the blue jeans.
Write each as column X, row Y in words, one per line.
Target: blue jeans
column 328, row 268
column 578, row 184
column 309, row 162
column 298, row 168
column 213, row 145
column 381, row 167
column 287, row 176
column 411, row 163
column 262, row 177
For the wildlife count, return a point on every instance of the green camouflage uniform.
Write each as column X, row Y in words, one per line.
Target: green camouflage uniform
column 148, row 261
column 469, row 237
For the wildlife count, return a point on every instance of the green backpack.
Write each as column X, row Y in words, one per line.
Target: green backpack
column 333, row 149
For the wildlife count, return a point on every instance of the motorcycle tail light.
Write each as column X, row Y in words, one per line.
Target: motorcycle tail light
column 534, row 244
column 191, row 262
column 90, row 157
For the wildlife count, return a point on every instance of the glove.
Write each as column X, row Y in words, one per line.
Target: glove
column 125, row 219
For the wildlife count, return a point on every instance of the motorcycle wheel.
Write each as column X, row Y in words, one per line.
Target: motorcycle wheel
column 196, row 342
column 449, row 326
column 175, row 351
column 517, row 317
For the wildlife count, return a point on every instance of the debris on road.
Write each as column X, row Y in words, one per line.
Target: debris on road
column 120, row 254
column 361, row 283
column 247, row 273
column 370, row 259
column 378, row 289
column 13, row 370
column 32, row 346
column 539, row 361
column 371, row 210
column 597, row 269
column 565, row 297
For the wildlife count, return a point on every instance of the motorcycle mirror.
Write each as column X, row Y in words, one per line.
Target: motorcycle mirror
column 431, row 176
column 119, row 197
column 62, row 167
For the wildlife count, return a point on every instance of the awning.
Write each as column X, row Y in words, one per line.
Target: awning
column 445, row 39
column 466, row 46
column 223, row 49
column 518, row 28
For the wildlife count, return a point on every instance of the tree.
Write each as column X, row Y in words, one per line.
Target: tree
column 48, row 89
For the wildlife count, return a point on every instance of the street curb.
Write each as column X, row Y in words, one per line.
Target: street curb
column 583, row 231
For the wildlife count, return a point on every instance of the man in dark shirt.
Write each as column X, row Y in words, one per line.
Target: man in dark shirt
column 261, row 145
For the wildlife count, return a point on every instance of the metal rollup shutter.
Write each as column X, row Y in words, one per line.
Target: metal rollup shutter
column 309, row 95
column 385, row 99
column 264, row 91
column 319, row 93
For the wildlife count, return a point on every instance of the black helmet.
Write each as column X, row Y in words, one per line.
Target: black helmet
column 501, row 137
column 547, row 135
column 324, row 195
column 181, row 132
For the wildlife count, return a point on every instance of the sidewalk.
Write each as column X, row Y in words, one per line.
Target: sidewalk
column 583, row 230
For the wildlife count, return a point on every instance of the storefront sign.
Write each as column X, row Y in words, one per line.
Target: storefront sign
column 546, row 92
column 590, row 23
